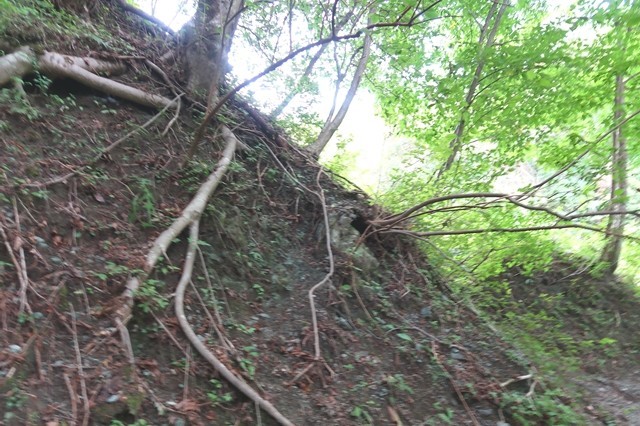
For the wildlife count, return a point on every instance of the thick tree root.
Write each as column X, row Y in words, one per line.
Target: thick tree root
column 190, row 217
column 25, row 61
column 240, row 384
column 190, row 214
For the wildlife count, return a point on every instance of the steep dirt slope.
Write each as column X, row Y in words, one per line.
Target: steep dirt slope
column 396, row 347
column 382, row 319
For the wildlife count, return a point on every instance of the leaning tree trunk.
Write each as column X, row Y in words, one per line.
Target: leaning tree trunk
column 333, row 123
column 207, row 41
column 485, row 42
column 615, row 227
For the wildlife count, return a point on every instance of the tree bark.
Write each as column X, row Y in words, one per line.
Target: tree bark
column 207, row 41
column 333, row 123
column 619, row 158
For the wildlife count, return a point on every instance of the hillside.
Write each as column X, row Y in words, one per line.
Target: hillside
column 89, row 181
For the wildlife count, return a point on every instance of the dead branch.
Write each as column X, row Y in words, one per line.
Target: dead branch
column 19, row 264
column 24, row 283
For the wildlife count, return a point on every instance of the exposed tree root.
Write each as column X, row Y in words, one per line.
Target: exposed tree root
column 191, row 213
column 25, row 61
column 240, row 384
column 54, row 65
column 327, row 277
column 190, row 217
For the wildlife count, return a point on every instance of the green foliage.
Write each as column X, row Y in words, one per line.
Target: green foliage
column 543, row 99
column 143, row 207
column 362, row 415
column 139, row 422
column 18, row 104
column 149, row 298
column 545, row 408
column 112, row 270
column 444, row 416
column 40, row 21
column 246, row 363
column 216, row 396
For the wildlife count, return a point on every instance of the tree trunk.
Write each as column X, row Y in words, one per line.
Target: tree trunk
column 207, row 41
column 332, row 124
column 485, row 42
column 615, row 227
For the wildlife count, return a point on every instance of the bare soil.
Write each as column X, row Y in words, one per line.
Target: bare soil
column 397, row 347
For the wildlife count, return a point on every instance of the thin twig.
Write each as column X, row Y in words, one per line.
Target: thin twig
column 216, row 312
column 73, row 398
column 166, row 330
column 226, row 343
column 16, row 264
column 436, row 356
column 83, row 385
